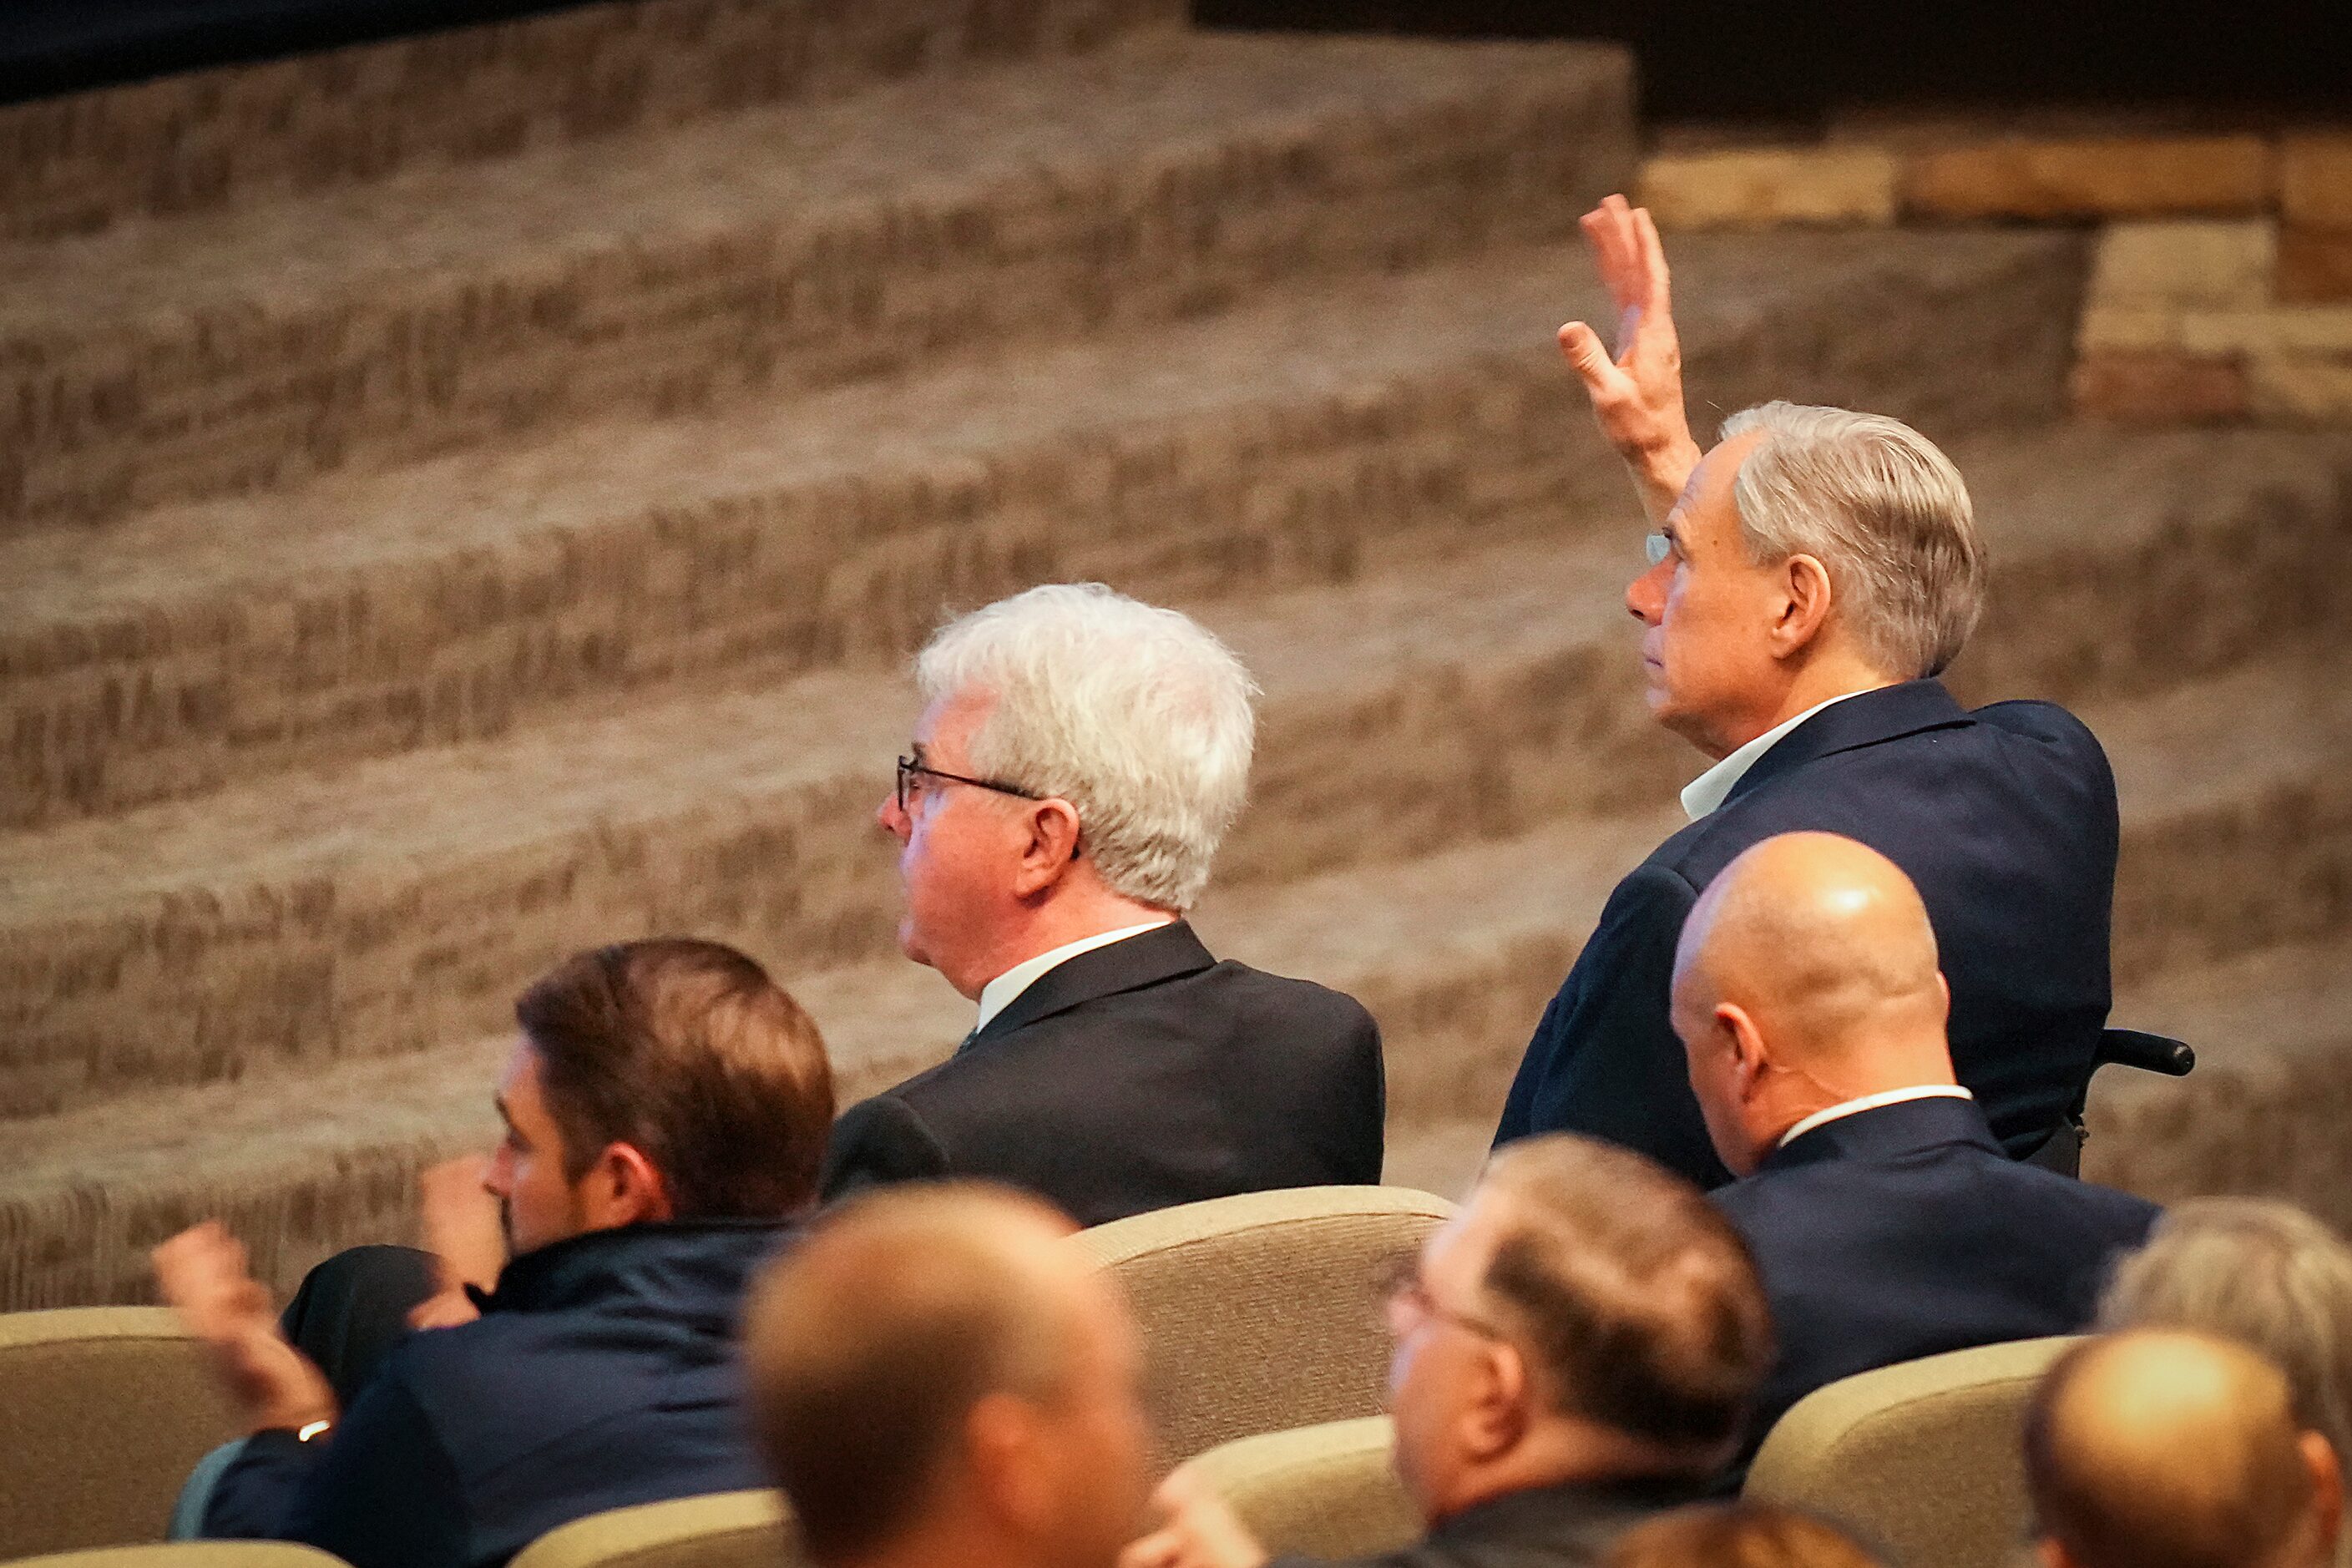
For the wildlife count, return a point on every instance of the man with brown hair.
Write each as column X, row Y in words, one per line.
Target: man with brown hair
column 665, row 1110
column 939, row 1379
column 2157, row 1448
column 1575, row 1351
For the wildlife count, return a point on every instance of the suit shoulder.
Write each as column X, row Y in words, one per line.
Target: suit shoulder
column 1305, row 998
column 2035, row 720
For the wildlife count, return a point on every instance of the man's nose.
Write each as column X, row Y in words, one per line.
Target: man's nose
column 1645, row 597
column 893, row 820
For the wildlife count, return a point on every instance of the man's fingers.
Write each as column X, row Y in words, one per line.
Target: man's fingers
column 1584, row 352
column 1657, row 295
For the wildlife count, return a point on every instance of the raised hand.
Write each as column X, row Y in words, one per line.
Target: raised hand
column 1199, row 1530
column 203, row 1275
column 463, row 1231
column 1637, row 391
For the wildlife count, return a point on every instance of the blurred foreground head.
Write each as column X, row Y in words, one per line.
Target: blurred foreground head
column 2260, row 1271
column 1587, row 1317
column 936, row 1376
column 2164, row 1449
column 1806, row 977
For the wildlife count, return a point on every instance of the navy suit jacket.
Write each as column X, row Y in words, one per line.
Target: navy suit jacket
column 2005, row 819
column 1137, row 1077
column 1906, row 1231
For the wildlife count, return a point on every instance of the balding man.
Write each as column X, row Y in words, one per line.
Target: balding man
column 1576, row 1352
column 1809, row 578
column 2164, row 1449
column 936, row 1379
column 1885, row 1217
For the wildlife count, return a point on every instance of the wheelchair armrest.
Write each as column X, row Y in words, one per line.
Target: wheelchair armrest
column 2149, row 1053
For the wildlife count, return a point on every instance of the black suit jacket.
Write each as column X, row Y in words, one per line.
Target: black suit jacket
column 2005, row 819
column 1135, row 1076
column 1546, row 1527
column 1907, row 1231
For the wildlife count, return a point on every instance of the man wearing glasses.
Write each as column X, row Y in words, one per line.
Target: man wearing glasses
column 1576, row 1351
column 1809, row 580
column 1078, row 758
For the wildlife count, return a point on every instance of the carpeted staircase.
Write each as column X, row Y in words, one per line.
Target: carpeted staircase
column 455, row 517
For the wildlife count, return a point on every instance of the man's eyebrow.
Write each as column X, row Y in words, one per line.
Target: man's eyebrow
column 504, row 1114
column 917, row 750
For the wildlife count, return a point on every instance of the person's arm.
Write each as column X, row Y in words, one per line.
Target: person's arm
column 1605, row 1061
column 1637, row 393
column 203, row 1274
column 878, row 1141
column 384, row 1493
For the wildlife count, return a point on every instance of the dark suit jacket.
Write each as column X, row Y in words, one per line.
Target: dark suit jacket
column 2004, row 817
column 1135, row 1076
column 1548, row 1527
column 1906, row 1231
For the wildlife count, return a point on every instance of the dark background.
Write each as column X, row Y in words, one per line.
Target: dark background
column 1714, row 60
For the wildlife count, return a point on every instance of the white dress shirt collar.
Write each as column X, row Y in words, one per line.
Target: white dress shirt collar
column 1872, row 1102
column 998, row 993
column 1706, row 792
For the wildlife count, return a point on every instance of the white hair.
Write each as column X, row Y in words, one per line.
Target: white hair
column 1137, row 716
column 1883, row 509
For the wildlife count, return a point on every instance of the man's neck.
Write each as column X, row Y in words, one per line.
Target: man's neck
column 943, row 1543
column 1578, row 1454
column 1054, row 927
column 1823, row 680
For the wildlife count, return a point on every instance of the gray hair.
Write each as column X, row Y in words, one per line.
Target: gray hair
column 1137, row 716
column 2259, row 1271
column 1883, row 509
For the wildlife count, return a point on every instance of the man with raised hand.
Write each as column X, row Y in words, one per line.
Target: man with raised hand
column 1078, row 758
column 1809, row 578
column 1886, row 1222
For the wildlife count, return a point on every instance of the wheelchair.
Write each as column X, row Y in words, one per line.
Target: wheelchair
column 2136, row 1048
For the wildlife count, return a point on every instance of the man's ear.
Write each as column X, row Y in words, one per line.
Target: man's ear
column 2327, row 1491
column 1495, row 1419
column 1053, row 845
column 2053, row 1556
column 1805, row 610
column 1752, row 1058
column 1001, row 1439
column 623, row 1187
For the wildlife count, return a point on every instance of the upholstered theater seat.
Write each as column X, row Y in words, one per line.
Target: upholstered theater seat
column 1260, row 1312
column 188, row 1554
column 103, row 1411
column 1328, row 1490
column 729, row 1530
column 1923, row 1458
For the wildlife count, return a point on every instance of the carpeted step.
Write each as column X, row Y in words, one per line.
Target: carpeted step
column 2265, row 1110
column 300, row 1163
column 1455, row 952
column 206, row 139
column 778, row 248
column 398, row 903
column 1320, row 434
column 2263, row 1114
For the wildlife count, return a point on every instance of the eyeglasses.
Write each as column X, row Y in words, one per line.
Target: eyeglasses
column 910, row 767
column 1406, row 1304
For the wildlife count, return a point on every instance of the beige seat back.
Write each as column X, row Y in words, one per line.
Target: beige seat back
column 103, row 1411
column 1925, row 1457
column 726, row 1529
column 188, row 1554
column 1328, row 1491
column 1259, row 1312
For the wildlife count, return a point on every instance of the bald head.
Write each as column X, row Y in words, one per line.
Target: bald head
column 874, row 1349
column 2166, row 1450
column 1810, row 965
